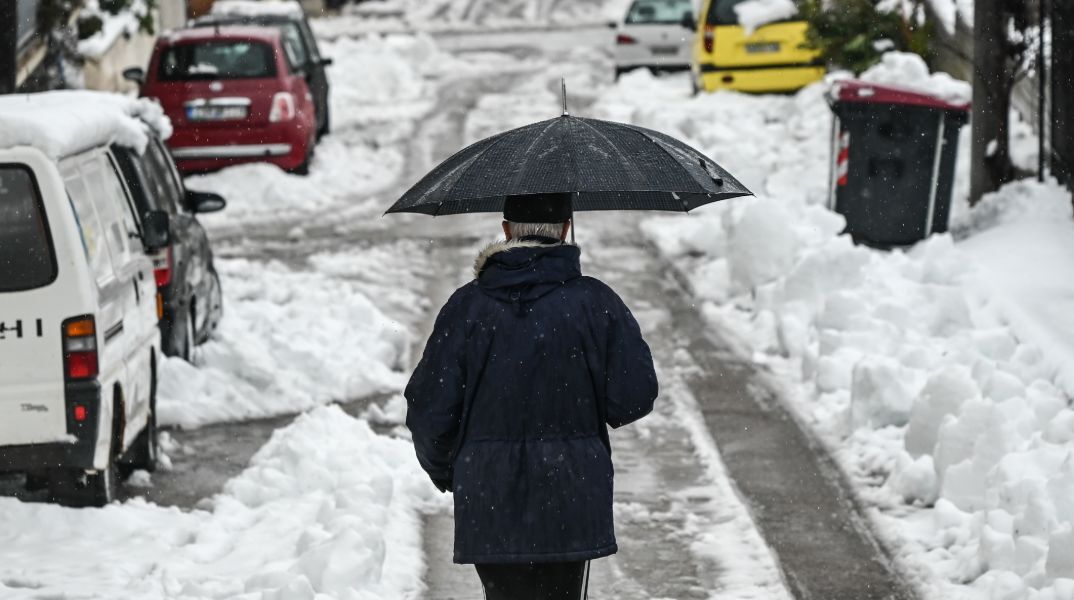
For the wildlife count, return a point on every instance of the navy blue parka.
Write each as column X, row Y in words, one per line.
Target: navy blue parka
column 526, row 368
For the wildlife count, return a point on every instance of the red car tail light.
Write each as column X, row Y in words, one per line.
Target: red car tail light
column 80, row 348
column 162, row 266
column 710, row 38
column 283, row 107
column 625, row 40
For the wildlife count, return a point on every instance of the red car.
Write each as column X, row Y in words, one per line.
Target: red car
column 234, row 95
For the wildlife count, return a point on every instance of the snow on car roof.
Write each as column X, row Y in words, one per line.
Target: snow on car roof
column 63, row 123
column 288, row 8
column 198, row 34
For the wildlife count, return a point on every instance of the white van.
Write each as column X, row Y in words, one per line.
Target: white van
column 79, row 342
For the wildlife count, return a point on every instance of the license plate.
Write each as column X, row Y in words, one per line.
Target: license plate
column 215, row 113
column 762, row 47
column 665, row 50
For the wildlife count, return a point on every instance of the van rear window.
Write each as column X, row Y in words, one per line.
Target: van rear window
column 235, row 59
column 26, row 257
column 722, row 12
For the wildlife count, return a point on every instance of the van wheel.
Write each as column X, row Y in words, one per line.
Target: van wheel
column 143, row 452
column 79, row 488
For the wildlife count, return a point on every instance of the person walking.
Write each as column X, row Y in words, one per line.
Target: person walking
column 526, row 368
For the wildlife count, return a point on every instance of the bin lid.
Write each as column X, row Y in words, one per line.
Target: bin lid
column 856, row 90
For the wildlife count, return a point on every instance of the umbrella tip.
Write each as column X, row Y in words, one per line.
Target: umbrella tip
column 563, row 94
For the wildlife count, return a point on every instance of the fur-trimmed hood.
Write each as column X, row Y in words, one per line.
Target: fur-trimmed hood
column 523, row 270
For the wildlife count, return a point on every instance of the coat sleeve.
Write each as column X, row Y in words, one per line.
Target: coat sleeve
column 630, row 385
column 435, row 394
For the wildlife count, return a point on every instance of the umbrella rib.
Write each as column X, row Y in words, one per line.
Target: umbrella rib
column 612, row 146
column 660, row 144
column 549, row 125
column 467, row 168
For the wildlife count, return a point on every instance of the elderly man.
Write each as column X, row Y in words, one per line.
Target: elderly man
column 526, row 368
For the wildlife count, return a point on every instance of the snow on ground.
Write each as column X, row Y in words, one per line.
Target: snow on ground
column 379, row 92
column 290, row 340
column 327, row 508
column 947, row 402
column 467, row 15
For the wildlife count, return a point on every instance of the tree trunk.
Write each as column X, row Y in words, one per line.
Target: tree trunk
column 1063, row 90
column 8, row 46
column 992, row 82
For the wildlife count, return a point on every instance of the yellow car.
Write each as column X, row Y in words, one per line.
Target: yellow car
column 770, row 59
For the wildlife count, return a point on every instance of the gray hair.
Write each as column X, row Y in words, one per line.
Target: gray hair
column 549, row 230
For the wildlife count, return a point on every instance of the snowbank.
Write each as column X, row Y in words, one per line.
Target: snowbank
column 947, row 409
column 290, row 340
column 326, row 509
column 62, row 123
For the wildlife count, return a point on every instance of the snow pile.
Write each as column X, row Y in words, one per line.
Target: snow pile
column 908, row 70
column 1024, row 259
column 755, row 13
column 285, row 8
column 289, row 341
column 946, row 408
column 327, row 509
column 62, row 123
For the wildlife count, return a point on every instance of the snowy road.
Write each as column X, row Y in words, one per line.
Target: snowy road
column 327, row 302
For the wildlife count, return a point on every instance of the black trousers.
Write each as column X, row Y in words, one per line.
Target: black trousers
column 535, row 581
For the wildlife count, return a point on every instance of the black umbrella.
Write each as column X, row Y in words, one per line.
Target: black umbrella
column 606, row 165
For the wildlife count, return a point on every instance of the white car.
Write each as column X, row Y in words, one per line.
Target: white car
column 657, row 35
column 79, row 342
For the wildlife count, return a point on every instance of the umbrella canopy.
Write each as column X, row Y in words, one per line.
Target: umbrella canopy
column 606, row 165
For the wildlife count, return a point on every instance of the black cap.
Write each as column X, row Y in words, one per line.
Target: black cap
column 538, row 208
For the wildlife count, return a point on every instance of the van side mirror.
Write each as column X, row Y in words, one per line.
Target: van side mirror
column 688, row 21
column 135, row 74
column 156, row 232
column 204, row 202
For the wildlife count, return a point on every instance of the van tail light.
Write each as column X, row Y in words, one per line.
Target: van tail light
column 283, row 107
column 625, row 40
column 163, row 262
column 709, row 38
column 80, row 348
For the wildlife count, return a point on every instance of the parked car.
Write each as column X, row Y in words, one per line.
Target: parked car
column 184, row 272
column 773, row 58
column 79, row 343
column 657, row 35
column 288, row 17
column 234, row 95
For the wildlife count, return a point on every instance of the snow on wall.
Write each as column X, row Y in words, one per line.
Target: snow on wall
column 326, row 509
column 951, row 419
column 62, row 123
